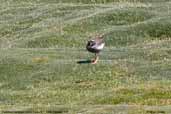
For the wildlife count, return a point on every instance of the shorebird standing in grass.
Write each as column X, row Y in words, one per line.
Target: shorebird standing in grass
column 95, row 46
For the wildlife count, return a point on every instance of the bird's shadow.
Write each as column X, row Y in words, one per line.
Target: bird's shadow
column 84, row 62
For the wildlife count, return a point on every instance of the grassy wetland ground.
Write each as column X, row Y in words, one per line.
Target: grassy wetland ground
column 42, row 40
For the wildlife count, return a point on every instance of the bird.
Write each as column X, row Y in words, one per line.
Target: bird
column 95, row 46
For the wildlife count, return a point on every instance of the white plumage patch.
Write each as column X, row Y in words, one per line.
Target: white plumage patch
column 100, row 46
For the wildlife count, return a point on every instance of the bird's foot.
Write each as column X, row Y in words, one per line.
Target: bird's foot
column 94, row 61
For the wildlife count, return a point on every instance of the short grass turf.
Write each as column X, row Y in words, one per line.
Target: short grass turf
column 44, row 64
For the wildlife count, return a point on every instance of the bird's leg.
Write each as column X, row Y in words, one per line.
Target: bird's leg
column 96, row 59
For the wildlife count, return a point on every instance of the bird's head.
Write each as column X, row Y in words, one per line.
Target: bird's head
column 100, row 36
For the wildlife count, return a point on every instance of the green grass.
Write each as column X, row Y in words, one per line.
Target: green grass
column 42, row 41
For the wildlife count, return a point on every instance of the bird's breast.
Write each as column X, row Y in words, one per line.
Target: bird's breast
column 101, row 46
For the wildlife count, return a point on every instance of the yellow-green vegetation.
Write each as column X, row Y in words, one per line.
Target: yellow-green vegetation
column 41, row 42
